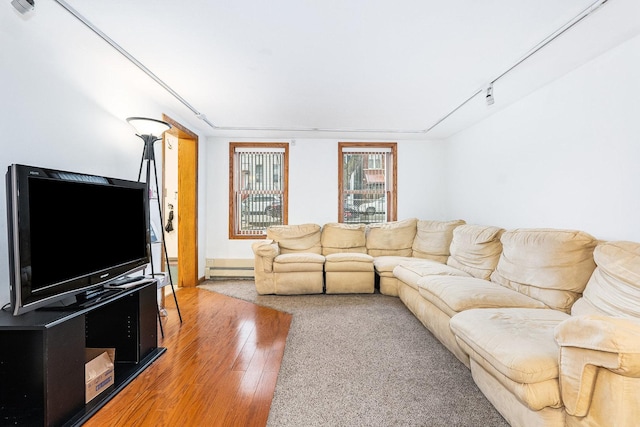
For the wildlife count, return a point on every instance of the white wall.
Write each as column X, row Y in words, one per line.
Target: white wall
column 564, row 157
column 69, row 112
column 313, row 186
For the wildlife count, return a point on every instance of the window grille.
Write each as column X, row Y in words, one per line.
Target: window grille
column 258, row 188
column 367, row 183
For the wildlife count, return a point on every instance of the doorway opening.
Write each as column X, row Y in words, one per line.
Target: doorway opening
column 180, row 203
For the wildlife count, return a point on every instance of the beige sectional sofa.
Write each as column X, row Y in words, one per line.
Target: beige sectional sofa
column 548, row 321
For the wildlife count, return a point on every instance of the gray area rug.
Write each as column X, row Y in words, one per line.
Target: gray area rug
column 364, row 360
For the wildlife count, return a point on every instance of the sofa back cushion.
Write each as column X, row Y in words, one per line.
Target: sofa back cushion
column 552, row 266
column 391, row 238
column 433, row 239
column 614, row 287
column 296, row 238
column 341, row 238
column 476, row 249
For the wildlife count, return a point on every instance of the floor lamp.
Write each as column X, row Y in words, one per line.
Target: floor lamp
column 150, row 131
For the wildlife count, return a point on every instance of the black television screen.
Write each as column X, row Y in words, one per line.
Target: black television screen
column 70, row 232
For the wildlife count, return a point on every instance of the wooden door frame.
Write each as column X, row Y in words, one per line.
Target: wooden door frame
column 187, row 221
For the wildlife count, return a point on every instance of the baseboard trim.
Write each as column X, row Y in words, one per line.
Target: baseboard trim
column 222, row 268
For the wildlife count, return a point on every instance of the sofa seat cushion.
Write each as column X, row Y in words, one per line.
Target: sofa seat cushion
column 453, row 294
column 384, row 265
column 350, row 261
column 517, row 343
column 412, row 271
column 301, row 261
column 543, row 395
column 348, row 273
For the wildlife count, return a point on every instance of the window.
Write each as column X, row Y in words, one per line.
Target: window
column 258, row 182
column 367, row 182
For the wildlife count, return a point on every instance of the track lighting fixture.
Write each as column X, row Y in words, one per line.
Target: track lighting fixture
column 23, row 6
column 489, row 96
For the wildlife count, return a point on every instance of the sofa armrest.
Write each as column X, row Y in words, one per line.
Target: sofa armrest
column 267, row 248
column 588, row 344
column 266, row 251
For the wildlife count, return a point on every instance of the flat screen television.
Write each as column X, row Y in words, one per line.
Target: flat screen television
column 71, row 232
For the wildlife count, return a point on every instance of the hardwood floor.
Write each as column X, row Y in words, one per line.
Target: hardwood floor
column 220, row 367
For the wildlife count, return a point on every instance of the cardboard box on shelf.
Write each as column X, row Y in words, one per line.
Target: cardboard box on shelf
column 98, row 371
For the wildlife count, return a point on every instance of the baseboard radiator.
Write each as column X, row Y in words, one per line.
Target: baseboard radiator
column 221, row 268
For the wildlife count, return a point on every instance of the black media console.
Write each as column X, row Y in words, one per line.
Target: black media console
column 42, row 356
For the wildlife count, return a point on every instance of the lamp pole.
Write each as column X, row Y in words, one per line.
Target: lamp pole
column 149, row 128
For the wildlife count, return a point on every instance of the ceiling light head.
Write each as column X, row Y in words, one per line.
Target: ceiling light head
column 489, row 97
column 23, row 6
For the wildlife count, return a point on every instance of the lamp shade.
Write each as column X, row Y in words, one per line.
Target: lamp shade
column 145, row 126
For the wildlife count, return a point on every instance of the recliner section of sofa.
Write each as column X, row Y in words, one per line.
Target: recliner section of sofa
column 290, row 261
column 348, row 268
column 580, row 368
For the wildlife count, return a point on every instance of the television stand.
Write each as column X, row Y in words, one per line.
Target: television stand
column 43, row 356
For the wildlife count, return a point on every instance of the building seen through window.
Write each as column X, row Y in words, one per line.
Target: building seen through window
column 258, row 188
column 367, row 182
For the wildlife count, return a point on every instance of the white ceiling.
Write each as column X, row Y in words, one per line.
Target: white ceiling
column 345, row 65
